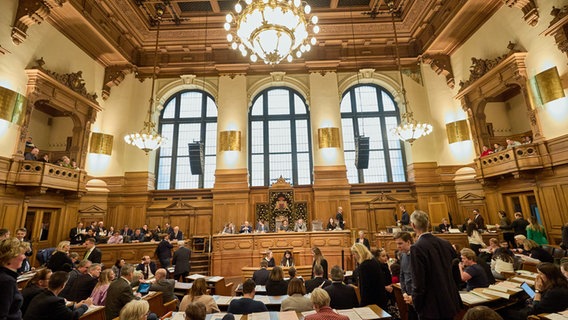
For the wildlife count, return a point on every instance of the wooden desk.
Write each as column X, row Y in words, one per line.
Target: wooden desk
column 94, row 313
column 232, row 252
column 130, row 252
column 216, row 284
column 304, row 271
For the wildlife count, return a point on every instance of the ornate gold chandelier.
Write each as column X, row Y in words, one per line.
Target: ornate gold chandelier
column 148, row 139
column 409, row 129
column 272, row 30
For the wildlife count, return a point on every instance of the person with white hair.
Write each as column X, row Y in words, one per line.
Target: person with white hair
column 181, row 261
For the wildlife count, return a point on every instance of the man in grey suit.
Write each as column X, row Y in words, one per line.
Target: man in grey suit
column 181, row 261
column 164, row 285
column 435, row 293
column 119, row 293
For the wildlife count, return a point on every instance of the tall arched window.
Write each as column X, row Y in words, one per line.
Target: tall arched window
column 188, row 116
column 369, row 110
column 279, row 138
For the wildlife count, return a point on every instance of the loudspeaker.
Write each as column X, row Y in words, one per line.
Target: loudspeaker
column 361, row 152
column 196, row 157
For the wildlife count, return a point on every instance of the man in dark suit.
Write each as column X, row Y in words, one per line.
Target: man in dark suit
column 76, row 235
column 166, row 286
column 478, row 219
column 260, row 276
column 164, row 251
column 119, row 293
column 147, row 266
column 181, row 261
column 246, row 304
column 93, row 253
column 362, row 240
column 126, row 231
column 445, row 226
column 48, row 303
column 85, row 283
column 176, row 234
column 435, row 294
column 82, row 268
column 317, row 281
column 342, row 296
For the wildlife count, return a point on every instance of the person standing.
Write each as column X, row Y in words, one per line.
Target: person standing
column 478, row 219
column 536, row 232
column 403, row 242
column 119, row 293
column 319, row 259
column 339, row 218
column 363, row 240
column 404, row 217
column 261, row 275
column 181, row 261
column 93, row 253
column 505, row 225
column 77, row 234
column 435, row 293
column 371, row 277
column 12, row 253
column 164, row 251
column 519, row 226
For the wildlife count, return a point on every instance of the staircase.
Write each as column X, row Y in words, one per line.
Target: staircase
column 200, row 263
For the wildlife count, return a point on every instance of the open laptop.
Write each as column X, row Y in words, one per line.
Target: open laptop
column 528, row 289
column 144, row 288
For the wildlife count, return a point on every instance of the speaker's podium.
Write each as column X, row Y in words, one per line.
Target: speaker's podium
column 196, row 157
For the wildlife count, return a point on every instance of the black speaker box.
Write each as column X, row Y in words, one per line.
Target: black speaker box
column 196, row 157
column 362, row 152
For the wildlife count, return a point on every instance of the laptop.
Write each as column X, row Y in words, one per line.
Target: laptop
column 528, row 289
column 144, row 288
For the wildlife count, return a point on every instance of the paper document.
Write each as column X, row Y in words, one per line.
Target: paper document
column 288, row 315
column 307, row 313
column 224, row 299
column 366, row 313
column 263, row 299
column 556, row 316
column 349, row 313
column 259, row 316
column 497, row 293
column 214, row 279
column 196, row 276
column 471, row 298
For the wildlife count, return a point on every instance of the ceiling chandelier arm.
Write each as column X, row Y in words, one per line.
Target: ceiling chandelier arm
column 159, row 14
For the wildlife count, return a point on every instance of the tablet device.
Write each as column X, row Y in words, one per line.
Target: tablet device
column 528, row 289
column 144, row 288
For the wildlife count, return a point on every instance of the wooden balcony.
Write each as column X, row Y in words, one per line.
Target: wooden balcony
column 513, row 161
column 49, row 176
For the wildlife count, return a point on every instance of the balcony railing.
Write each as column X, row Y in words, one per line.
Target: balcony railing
column 50, row 176
column 514, row 160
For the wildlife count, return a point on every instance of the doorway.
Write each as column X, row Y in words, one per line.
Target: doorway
column 41, row 224
column 525, row 203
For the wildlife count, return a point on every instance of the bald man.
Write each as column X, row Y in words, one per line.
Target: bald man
column 166, row 286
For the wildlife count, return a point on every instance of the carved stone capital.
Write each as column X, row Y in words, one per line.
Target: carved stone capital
column 441, row 64
column 529, row 8
column 114, row 75
column 30, row 12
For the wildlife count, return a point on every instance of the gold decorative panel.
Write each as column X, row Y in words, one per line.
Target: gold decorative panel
column 230, row 141
column 101, row 143
column 12, row 106
column 549, row 85
column 328, row 137
column 457, row 131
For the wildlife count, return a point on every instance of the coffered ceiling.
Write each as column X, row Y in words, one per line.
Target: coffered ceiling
column 354, row 34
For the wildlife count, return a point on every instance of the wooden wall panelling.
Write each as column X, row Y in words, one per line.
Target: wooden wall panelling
column 551, row 200
column 11, row 216
column 437, row 211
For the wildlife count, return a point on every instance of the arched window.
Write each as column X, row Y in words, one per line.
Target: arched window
column 188, row 116
column 279, row 138
column 369, row 110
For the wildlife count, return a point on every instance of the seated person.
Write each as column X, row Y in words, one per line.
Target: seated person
column 296, row 300
column 486, row 151
column 300, row 226
column 512, row 143
column 287, row 259
column 342, row 296
column 481, row 312
column 115, row 238
column 44, row 158
column 164, row 285
column 536, row 251
column 498, row 147
column 284, row 226
column 246, row 304
column 198, row 293
column 445, row 226
column 261, row 226
column 331, row 225
column 137, row 236
column 150, row 236
column 317, row 281
column 246, row 228
column 493, row 245
column 276, row 285
column 471, row 272
column 261, row 275
column 32, row 155
column 269, row 259
column 195, row 311
column 502, row 262
column 148, row 267
column 229, row 228
column 321, row 302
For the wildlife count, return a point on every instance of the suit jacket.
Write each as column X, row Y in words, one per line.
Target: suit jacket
column 260, row 276
column 66, row 292
column 142, row 267
column 297, row 302
column 60, row 261
column 82, row 287
column 119, row 293
column 365, row 242
column 181, row 260
column 371, row 284
column 435, row 293
column 75, row 237
column 179, row 236
column 128, row 233
column 166, row 286
column 315, row 283
column 95, row 256
column 276, row 288
column 478, row 219
column 342, row 296
column 47, row 306
column 164, row 250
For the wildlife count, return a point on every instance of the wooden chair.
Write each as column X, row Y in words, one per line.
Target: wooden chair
column 225, row 290
column 170, row 306
column 357, row 292
column 167, row 315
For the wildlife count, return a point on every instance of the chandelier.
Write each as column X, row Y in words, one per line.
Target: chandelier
column 272, row 30
column 409, row 129
column 148, row 139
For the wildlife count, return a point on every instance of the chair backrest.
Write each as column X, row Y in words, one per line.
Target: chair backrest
column 170, row 306
column 226, row 290
column 317, row 225
column 167, row 315
column 43, row 255
column 357, row 292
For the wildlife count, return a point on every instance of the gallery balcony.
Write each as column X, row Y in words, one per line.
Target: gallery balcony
column 36, row 174
column 513, row 161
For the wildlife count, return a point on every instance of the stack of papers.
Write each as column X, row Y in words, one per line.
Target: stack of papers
column 497, row 293
column 196, row 276
column 214, row 279
column 472, row 298
column 363, row 313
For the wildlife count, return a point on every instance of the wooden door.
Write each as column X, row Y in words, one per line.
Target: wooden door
column 42, row 225
column 525, row 203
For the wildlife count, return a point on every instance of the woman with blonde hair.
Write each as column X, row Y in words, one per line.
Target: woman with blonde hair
column 319, row 259
column 60, row 260
column 198, row 293
column 135, row 310
column 100, row 291
column 536, row 232
column 12, row 254
column 371, row 278
column 536, row 252
column 276, row 285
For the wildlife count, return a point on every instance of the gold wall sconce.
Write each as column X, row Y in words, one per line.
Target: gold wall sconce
column 328, row 137
column 457, row 131
column 549, row 85
column 230, row 140
column 101, row 143
column 12, row 106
